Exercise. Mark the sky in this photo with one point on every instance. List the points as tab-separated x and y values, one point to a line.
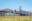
26	5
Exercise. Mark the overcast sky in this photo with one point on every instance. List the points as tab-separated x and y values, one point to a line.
14	4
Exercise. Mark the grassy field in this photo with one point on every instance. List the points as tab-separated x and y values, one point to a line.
15	18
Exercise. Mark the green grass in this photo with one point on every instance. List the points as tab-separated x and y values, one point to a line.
15	18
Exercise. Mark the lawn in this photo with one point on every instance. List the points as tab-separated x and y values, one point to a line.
15	18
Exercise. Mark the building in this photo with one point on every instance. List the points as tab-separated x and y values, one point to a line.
9	12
